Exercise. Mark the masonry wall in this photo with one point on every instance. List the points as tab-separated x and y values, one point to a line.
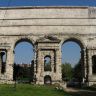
63	23
42	20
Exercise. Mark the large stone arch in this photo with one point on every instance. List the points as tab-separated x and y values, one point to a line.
83	53
22	39
77	40
28	40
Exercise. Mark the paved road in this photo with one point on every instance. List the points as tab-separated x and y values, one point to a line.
79	92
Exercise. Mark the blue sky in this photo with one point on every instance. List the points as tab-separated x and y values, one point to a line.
48	2
71	53
70	50
24	53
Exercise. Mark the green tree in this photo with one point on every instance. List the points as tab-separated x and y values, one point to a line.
67	71
77	71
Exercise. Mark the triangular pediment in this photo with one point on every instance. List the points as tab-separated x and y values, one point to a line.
48	39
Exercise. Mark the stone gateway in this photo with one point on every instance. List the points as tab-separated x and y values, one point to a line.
47	28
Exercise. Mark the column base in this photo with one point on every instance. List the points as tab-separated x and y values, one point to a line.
91	80
90	83
6	82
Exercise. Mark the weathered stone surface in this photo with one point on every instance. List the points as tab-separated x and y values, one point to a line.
47	28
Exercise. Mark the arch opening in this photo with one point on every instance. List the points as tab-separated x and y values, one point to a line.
3	61
72	60
24	61
77	41
47	80
23	40
47	63
94	64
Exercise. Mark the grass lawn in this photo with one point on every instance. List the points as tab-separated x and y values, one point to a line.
30	90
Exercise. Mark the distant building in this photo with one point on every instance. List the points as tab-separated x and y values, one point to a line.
24	65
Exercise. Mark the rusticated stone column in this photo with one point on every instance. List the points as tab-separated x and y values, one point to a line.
85	65
9	64
90	63
35	61
58	64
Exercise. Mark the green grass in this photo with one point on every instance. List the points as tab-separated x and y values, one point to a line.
30	90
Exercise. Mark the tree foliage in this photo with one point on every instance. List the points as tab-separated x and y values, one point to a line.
77	71
67	71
